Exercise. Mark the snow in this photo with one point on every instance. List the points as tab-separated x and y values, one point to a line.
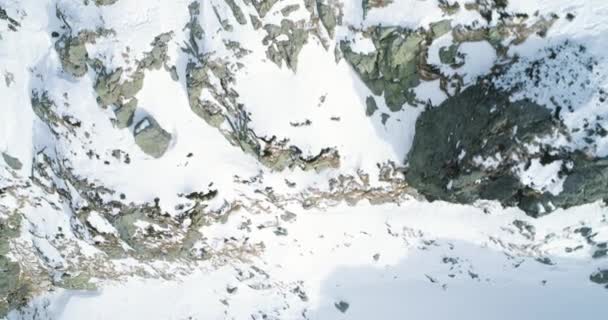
543	178
388	261
480	57
385	261
100	224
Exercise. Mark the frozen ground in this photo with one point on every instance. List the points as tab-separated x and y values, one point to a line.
417	260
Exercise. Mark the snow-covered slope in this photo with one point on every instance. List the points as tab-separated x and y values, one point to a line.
275	159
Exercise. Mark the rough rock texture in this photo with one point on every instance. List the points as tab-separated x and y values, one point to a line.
151	137
478	122
285	50
392	69
237	12
73	55
472	146
124	114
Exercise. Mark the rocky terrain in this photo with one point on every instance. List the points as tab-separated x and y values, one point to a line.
303	159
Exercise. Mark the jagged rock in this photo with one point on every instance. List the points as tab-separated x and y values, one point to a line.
392	69
328	17
14	288
287	50
73	55
237	12
224	22
111	91
12	161
151	138
124	114
255	22
157	57
481	123
478	122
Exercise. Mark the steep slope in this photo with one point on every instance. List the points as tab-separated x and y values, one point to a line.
272	159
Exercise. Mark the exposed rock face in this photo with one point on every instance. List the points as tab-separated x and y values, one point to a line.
285	50
480	122
392	69
14	291
151	138
124	114
111	90
473	146
328	17
73	55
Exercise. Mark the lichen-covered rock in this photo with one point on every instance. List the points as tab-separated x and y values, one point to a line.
151	137
156	58
73	54
124	114
475	144
328	17
111	90
288	49
14	288
255	22
392	69
440	28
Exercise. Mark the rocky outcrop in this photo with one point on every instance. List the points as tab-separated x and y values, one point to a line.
73	54
237	12
285	42
475	145
479	123
392	69
14	291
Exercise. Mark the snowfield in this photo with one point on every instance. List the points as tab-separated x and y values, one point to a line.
293	205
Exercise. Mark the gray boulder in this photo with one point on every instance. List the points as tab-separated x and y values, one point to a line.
151	138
